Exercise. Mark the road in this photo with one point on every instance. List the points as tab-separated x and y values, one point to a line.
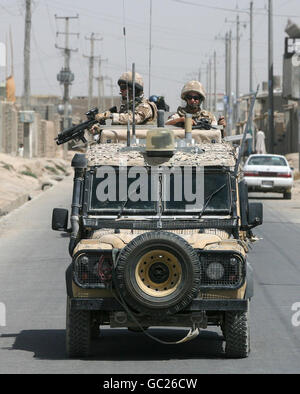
32	289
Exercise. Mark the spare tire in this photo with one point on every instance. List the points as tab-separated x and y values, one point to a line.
158	272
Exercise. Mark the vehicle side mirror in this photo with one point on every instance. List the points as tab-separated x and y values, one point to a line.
255	214
60	219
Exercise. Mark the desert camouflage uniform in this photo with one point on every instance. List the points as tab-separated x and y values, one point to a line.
201	114
145	112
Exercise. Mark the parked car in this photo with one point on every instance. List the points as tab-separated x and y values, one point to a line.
269	173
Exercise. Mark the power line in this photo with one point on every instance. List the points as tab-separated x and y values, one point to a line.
206	6
231	9
40	60
8	11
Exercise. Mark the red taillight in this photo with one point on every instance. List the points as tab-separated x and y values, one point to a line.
269	174
284	175
251	173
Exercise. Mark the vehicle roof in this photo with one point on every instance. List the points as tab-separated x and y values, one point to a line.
265	154
209	154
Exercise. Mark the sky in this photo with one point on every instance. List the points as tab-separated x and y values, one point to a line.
184	35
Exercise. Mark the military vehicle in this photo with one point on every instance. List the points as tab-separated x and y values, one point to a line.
160	230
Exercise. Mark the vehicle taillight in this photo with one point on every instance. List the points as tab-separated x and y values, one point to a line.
284	175
252	173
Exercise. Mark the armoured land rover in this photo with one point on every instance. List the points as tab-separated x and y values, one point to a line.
160	232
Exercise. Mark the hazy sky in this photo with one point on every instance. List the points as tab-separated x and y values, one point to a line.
185	34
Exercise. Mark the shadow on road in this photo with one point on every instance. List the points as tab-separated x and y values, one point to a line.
121	344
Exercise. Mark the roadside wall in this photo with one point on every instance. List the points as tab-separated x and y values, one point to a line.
46	125
43	132
8	128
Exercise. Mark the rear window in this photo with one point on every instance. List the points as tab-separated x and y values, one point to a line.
267	161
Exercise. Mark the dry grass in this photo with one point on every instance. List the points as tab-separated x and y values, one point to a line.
296	175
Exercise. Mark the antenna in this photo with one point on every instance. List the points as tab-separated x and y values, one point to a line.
125	53
245	132
133	101
150	47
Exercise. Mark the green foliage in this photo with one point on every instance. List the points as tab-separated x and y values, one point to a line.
29	173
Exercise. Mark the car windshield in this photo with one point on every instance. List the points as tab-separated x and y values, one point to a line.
149	189
267	161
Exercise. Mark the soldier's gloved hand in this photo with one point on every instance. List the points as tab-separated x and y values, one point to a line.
222	121
103	115
95	129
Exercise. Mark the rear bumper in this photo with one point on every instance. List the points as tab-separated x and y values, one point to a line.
269	184
111	304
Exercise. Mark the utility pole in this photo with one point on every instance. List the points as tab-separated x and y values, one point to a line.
65	76
91	58
206	102
27	116
27	56
111	85
226	98
251	73
215	82
100	84
199	74
271	77
209	86
236	113
229	95
236	107
251	49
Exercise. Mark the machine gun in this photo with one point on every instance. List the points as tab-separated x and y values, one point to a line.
77	132
203	124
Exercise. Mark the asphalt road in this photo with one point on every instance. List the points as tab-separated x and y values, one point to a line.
32	289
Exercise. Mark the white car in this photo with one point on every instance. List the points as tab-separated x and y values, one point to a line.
269	173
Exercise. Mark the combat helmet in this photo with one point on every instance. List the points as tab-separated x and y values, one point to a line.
193	86
126	78
153	99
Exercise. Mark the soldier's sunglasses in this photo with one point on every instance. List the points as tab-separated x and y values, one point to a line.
192	97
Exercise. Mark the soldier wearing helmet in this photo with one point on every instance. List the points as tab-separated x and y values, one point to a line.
145	111
194	95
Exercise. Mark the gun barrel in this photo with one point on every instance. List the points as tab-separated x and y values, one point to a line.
74	132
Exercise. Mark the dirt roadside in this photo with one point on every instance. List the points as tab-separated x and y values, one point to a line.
22	179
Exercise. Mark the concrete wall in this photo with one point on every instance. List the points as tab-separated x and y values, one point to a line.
42	132
8	128
46	125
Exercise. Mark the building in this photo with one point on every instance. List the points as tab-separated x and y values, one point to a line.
285	119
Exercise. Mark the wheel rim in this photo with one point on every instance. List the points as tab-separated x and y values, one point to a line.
158	273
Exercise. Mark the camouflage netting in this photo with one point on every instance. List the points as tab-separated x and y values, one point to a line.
200	155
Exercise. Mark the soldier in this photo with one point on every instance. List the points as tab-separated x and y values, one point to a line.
194	95
145	111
